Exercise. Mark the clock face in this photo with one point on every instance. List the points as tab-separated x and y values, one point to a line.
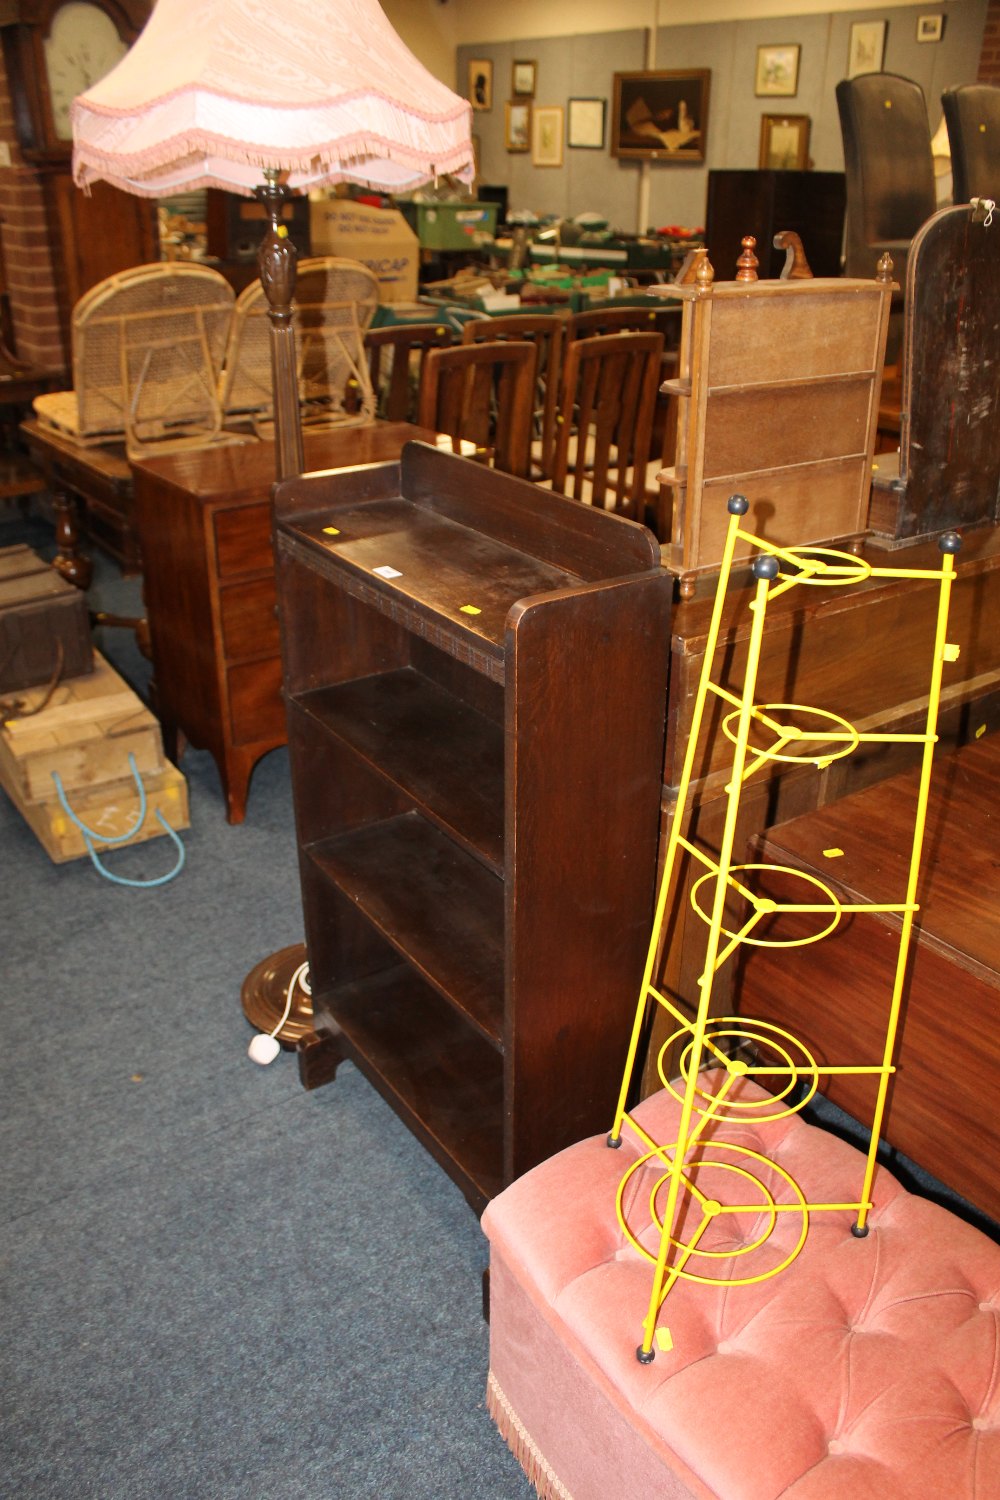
82	46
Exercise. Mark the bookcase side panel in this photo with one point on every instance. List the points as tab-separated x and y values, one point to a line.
587	679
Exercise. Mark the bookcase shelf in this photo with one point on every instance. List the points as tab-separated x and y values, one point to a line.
475	674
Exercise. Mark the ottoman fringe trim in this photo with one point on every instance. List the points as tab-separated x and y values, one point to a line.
522	1445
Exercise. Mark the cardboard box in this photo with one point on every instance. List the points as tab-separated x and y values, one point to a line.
378	237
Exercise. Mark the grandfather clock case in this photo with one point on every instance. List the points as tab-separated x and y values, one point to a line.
52	51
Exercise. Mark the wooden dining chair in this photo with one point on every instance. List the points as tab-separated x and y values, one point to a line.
643	319
545	331
634	318
482	397
604	425
395	364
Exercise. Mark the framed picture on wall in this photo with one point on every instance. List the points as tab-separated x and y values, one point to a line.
867	48
660	116
522	79
547	136
784	143
481	83
517	126
585	122
930	28
777	71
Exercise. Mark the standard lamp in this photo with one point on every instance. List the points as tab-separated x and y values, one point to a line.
266	98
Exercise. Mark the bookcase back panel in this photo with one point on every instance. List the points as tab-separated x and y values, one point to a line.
746	431
808	504
791	335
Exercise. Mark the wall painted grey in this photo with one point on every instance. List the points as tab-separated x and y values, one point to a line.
584	66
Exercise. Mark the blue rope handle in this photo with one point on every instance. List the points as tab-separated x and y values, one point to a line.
90	837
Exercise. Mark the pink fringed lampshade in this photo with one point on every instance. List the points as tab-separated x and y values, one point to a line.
214	91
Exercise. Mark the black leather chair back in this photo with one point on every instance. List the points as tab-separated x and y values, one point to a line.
889	168
972	113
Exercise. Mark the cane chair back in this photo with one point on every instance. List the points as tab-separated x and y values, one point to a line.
395	364
147	350
335	301
482	397
604	426
545	331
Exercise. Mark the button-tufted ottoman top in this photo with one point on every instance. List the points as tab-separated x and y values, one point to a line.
867	1368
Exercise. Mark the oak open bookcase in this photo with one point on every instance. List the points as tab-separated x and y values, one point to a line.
475	677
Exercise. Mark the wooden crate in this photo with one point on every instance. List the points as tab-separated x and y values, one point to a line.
44	625
109	809
86	734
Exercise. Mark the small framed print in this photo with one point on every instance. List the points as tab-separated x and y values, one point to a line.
930	28
867	48
517	125
547	136
481	83
777	71
522	79
585	124
784	143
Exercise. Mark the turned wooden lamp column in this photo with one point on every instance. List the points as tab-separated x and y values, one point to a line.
265	988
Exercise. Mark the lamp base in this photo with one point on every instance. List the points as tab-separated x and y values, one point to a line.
265	989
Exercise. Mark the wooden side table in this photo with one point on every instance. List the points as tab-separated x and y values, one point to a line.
96	483
204	520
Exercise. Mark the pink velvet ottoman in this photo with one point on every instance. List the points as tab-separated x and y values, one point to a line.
868	1369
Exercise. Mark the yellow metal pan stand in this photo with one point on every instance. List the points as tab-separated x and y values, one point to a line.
701	1179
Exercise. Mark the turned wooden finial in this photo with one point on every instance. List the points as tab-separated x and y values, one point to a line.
704	271
746	266
885	268
687	275
796	267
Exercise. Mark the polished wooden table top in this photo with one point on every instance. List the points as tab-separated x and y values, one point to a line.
222	470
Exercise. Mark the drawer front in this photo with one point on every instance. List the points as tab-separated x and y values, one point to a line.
249	622
256	705
243	540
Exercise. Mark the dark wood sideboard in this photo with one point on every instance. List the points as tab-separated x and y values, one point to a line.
763	202
204	524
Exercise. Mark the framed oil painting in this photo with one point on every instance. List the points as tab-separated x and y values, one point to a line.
481	83
585	123
547	136
784	143
777	71
517	125
660	116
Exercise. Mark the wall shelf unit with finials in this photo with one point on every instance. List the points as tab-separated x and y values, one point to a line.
777	394
723	1213
475	674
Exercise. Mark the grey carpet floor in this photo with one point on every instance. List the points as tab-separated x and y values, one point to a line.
213	1284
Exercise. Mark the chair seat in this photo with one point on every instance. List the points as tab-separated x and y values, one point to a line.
60	411
866	1370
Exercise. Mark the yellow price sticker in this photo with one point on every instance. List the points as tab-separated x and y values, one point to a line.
470	609
331	530
833	853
